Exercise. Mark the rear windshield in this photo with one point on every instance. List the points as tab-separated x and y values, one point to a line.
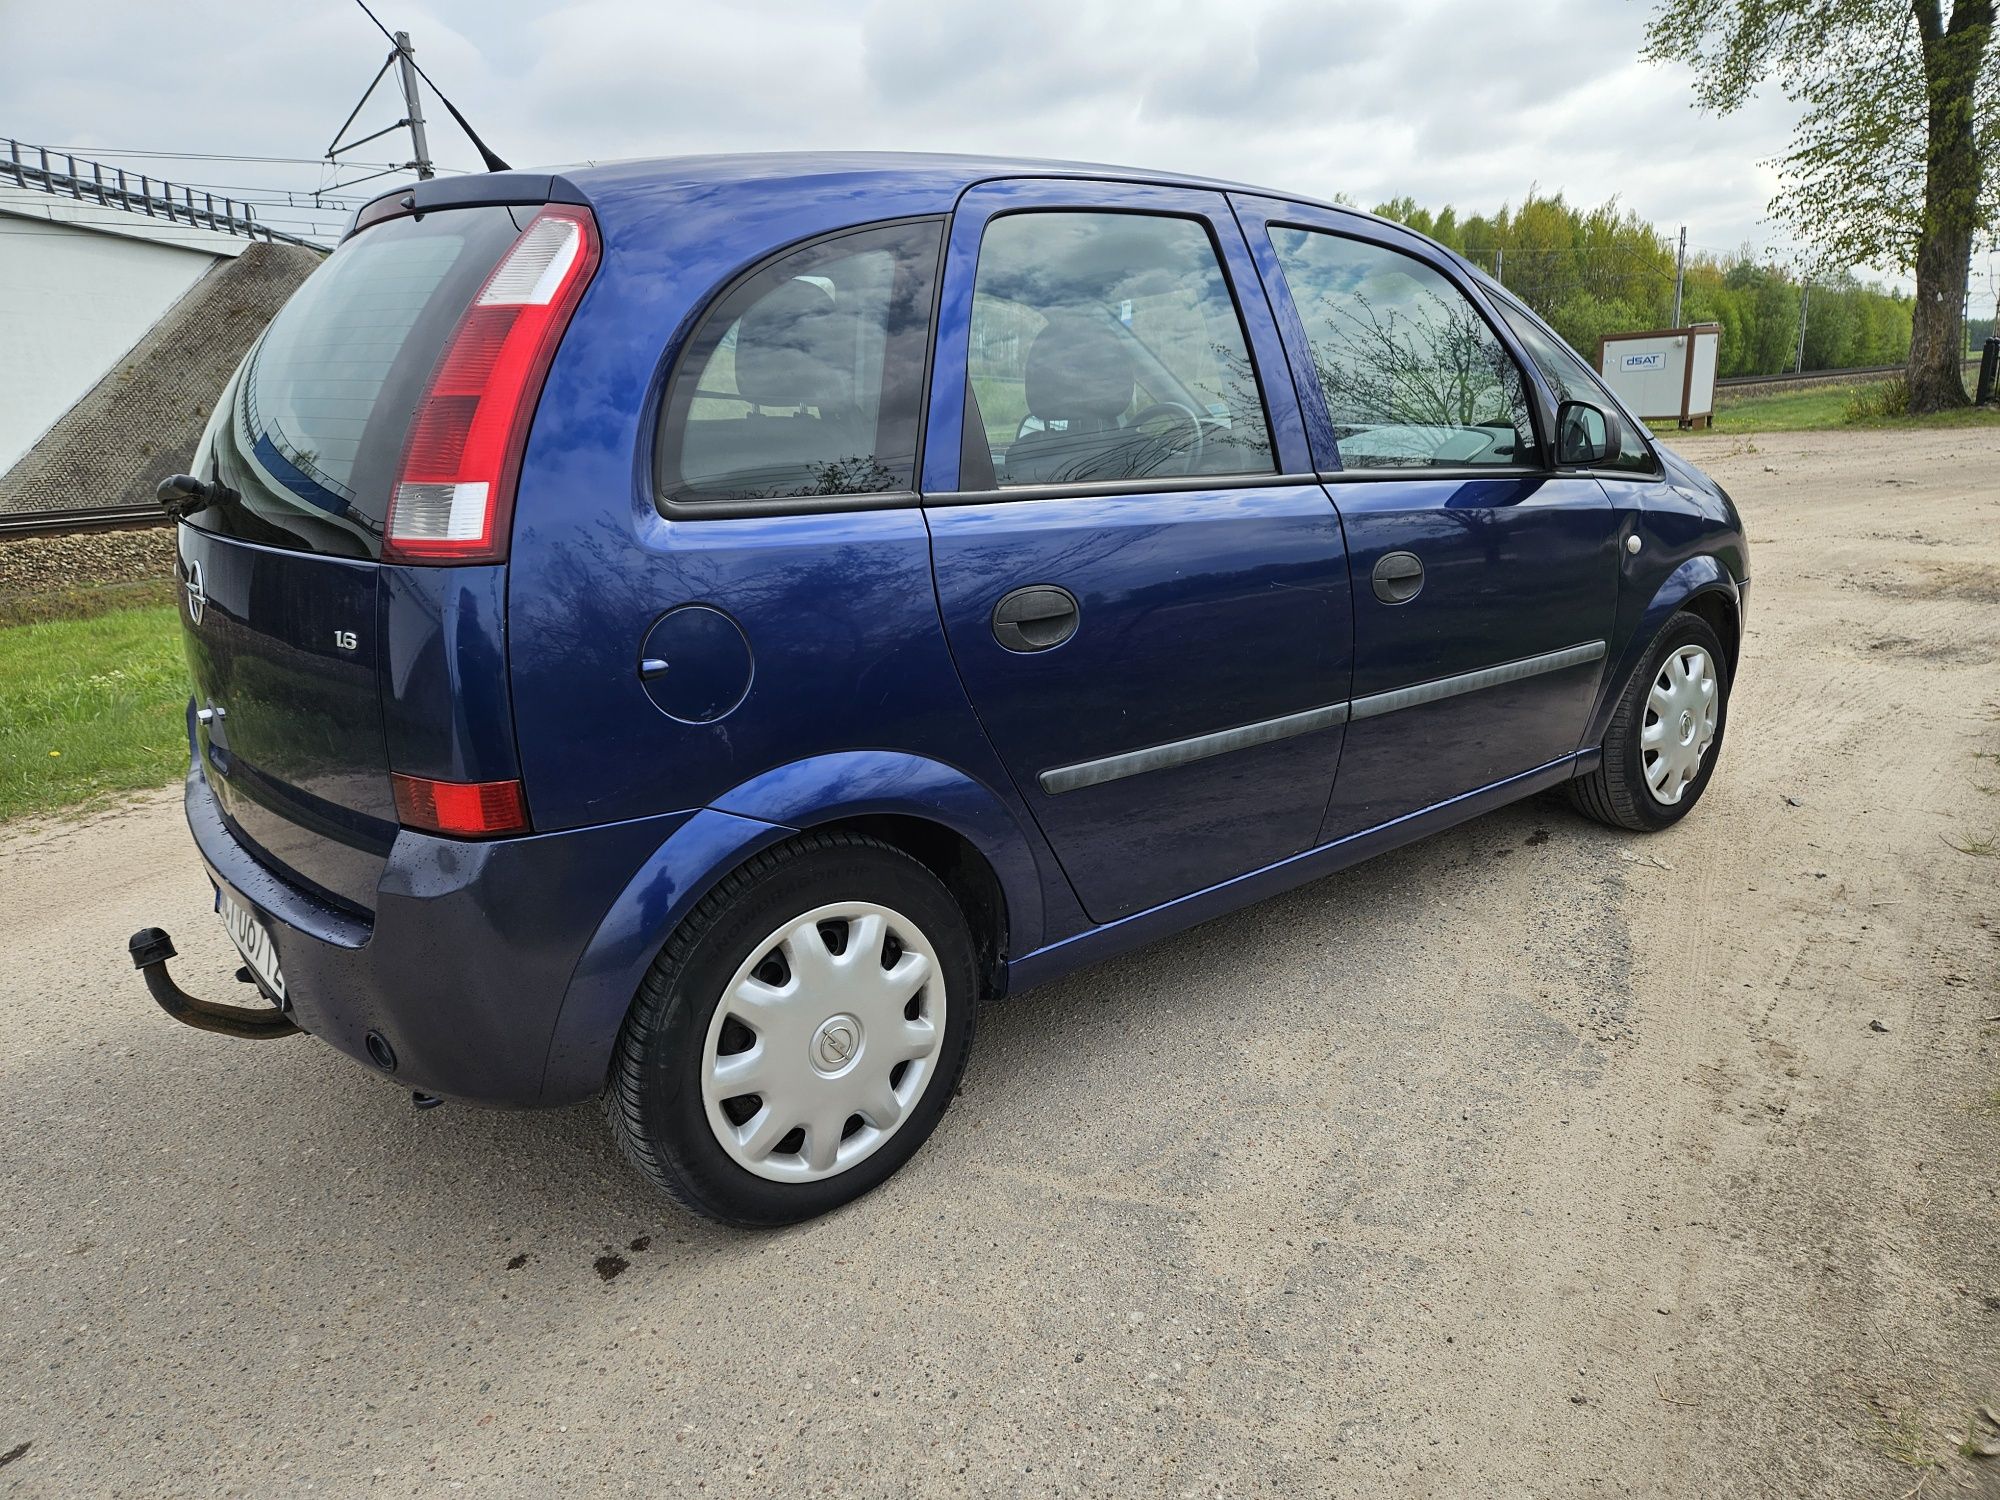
310	431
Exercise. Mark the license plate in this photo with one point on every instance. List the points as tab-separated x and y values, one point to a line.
252	941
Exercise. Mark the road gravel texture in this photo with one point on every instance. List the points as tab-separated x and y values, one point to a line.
1532	1160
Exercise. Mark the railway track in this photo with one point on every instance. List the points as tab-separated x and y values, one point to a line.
1808	377
1742	383
71	522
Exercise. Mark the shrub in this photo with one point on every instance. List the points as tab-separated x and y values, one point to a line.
1889	398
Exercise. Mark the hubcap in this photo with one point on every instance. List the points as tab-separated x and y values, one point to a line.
1680	724
825	1040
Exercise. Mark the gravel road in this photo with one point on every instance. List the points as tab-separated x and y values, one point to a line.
1534	1160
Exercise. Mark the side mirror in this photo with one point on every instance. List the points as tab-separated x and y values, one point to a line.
1586	436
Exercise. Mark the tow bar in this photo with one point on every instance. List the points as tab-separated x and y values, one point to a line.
151	948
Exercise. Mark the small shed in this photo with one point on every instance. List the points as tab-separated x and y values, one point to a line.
1664	374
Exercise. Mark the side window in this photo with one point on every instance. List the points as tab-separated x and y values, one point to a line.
1106	346
1572	380
1413	376
807	378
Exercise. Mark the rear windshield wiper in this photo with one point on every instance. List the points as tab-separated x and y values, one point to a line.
181	495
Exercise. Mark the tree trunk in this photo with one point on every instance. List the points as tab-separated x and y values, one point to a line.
1952	57
1937	330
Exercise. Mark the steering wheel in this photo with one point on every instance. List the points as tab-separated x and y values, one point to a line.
1185	416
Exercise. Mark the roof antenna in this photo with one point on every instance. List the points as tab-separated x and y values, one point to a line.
403	57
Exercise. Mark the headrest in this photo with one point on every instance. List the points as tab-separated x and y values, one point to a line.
795	348
1078	367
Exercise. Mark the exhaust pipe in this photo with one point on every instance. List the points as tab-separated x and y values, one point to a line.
151	948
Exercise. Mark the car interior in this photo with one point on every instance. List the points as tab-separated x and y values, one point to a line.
786	402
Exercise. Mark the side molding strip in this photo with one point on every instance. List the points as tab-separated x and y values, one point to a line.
1085	773
1377	704
1200	747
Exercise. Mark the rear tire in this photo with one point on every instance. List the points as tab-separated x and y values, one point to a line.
770	1069
1659	751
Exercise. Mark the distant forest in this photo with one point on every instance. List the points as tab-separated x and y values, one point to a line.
1606	270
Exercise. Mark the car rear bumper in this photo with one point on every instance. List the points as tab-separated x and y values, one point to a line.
467	962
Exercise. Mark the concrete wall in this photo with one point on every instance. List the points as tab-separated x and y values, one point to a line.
80	284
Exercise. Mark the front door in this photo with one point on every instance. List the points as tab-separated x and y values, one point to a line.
1485	582
1144	588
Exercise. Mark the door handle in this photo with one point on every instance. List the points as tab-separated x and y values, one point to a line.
1035	618
1399	577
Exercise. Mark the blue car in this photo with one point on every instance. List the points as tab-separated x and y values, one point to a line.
689	632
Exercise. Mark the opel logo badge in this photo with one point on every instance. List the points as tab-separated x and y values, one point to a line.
197	596
835	1043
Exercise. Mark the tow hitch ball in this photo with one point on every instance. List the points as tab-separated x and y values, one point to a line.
151	948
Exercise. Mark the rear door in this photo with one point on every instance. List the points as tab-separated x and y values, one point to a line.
1485	582
1145	594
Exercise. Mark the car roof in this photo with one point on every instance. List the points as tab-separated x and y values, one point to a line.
706	217
917	181
947	172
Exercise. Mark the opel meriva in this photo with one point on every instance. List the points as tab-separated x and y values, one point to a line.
689	632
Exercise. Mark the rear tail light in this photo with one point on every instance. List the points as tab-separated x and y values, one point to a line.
454	496
461	809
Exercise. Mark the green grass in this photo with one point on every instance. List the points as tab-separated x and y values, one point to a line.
90	708
1818	408
81	601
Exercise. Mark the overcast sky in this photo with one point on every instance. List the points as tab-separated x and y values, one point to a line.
1470	102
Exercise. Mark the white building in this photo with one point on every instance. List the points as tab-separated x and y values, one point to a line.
96	283
80	283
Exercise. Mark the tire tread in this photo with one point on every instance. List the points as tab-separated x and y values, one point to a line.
1606	794
624	1094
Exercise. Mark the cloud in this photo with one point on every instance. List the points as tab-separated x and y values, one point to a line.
1458	101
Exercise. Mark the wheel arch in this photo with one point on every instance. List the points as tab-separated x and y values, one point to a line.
960	866
1721	614
951	822
1701	586
947	821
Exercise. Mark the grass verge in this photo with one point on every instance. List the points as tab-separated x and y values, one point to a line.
90	708
82	601
1818	408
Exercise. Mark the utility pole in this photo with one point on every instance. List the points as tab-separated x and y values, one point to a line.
414	107
1680	276
1805	303
404	60
1500	266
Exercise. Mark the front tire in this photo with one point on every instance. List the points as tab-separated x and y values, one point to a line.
1664	740
800	1035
